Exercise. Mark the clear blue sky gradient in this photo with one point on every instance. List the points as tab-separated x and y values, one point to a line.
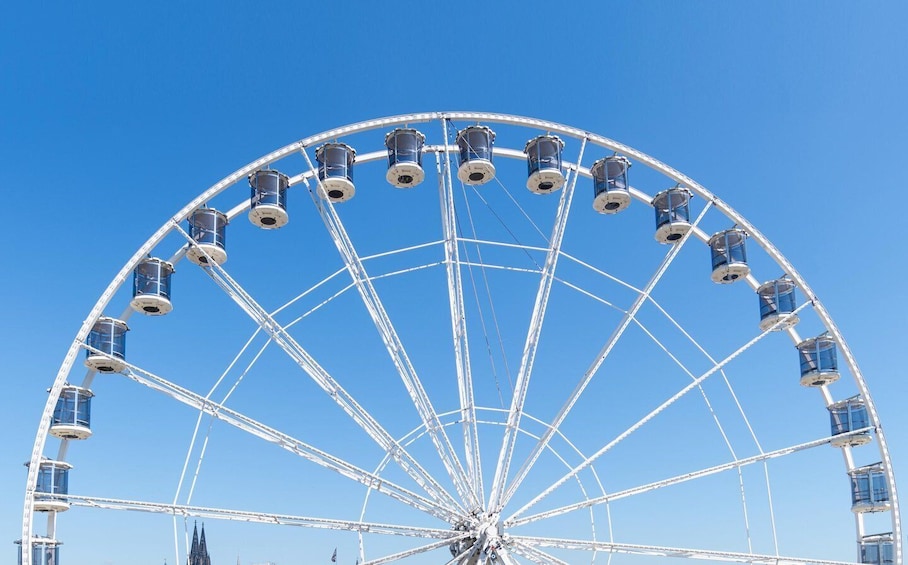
115	115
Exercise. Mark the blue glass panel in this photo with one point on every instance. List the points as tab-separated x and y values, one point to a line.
47	555
886	553
264	198
838	419
737	252
859	417
808	363
600	185
52	479
719	256
616	173
108	337
767	305
152	277
268	188
43	554
827	359
335	161
683	214
73	407
404	146
475	143
870	553
609	175
543	153
45	480
671	207
612	184
818	355
777	297
83	411
209	227
65	411
880	492
728	247
61	482
786	301
663	217
860	489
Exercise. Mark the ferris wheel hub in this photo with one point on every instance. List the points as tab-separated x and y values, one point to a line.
485	539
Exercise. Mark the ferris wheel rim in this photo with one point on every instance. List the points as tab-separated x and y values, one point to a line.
405	119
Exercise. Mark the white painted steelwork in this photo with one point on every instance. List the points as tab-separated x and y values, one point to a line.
483	519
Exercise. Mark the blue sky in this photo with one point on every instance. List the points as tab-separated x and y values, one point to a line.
114	116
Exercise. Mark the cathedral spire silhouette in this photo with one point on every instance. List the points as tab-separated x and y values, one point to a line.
198	551
194	548
203	547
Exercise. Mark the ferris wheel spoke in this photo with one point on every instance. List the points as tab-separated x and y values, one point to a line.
416	551
188	511
740	409
655	412
711	359
236	384
340	271
532	341
306	292
198	424
291	444
672	552
459	323
626	320
392	342
534	554
326	382
683	478
722	432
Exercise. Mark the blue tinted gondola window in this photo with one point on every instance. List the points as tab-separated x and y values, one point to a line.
52	479
404	146
672	206
728	248
818	355
335	160
544	153
848	415
43	554
73	407
880	487
268	188
108	336
475	143
616	173
207	226
839	420
777	297
152	277
860	489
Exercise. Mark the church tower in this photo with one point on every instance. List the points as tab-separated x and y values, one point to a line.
198	552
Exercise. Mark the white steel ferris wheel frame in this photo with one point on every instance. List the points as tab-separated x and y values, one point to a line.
465	476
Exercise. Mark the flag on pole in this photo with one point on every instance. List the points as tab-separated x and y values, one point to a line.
334	556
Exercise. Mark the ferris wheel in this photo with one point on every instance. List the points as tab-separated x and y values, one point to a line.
479	348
